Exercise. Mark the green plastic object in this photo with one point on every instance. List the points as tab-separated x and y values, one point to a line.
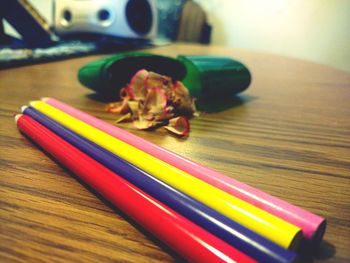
108	75
214	77
206	77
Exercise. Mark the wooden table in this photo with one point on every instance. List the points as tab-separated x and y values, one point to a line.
288	134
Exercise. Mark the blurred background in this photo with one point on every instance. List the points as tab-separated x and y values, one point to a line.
315	30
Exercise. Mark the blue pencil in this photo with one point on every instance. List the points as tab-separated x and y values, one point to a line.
233	233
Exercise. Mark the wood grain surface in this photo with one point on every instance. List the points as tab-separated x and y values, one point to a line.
288	134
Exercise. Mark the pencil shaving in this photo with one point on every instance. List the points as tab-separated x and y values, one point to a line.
23	108
152	100
17	116
179	126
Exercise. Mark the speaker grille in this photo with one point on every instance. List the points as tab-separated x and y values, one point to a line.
139	16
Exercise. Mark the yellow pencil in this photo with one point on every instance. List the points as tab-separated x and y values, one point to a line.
267	225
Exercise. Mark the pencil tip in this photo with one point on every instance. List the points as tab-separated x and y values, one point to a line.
32	103
23	108
17	117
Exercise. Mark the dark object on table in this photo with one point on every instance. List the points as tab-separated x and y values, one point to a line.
10	57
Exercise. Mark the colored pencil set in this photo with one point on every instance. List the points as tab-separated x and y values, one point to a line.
201	214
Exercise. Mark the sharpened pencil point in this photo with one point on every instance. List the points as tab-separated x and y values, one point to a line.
32	103
17	117
23	108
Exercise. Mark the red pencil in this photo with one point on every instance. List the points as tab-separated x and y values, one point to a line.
189	240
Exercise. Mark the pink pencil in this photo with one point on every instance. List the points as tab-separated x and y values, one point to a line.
313	226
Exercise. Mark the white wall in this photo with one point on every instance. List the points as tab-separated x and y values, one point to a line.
316	30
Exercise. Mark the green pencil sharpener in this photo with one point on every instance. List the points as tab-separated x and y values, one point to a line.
208	78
